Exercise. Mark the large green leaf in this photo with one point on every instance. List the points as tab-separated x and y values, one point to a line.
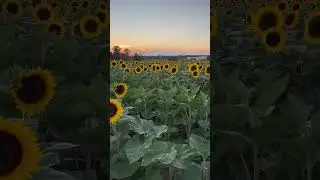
160	151
270	92
227	116
123	169
201	145
134	149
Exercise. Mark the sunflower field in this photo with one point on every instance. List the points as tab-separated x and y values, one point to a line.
160	120
53	90
265	90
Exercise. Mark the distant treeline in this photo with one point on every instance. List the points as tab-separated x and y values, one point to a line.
117	53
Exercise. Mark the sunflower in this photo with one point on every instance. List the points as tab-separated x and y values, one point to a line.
193	67
127	70
116	110
103	17
33	90
43	13
114	63
282	5
20	152
90	26
56	28
123	65
120	89
12	7
75	29
207	71
296	6
173	70
138	70
274	40
195	74
291	19
312	28
266	18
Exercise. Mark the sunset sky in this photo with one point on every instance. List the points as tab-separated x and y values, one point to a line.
161	26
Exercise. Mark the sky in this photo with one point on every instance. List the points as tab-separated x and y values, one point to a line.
161	27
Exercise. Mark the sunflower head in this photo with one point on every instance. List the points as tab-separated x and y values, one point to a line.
56	28
291	19
116	110
20	152
173	70
207	71
43	13
195	74
274	40
90	26
268	17
12	7
120	89
312	28
33	90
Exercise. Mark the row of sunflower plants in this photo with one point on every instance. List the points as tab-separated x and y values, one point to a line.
52	93
160	127
265	101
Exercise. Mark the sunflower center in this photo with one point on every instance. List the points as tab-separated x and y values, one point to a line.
282	6
55	28
289	19
119	89
195	73
314	27
10	153
273	38
91	26
267	21
33	89
112	109
12	8
193	68
174	70
43	14
208	69
123	65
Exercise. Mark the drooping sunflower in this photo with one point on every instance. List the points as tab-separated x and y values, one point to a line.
116	110
312	28
56	28
90	26
120	89
75	29
20	152
43	13
12	7
291	19
274	40
33	90
266	18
